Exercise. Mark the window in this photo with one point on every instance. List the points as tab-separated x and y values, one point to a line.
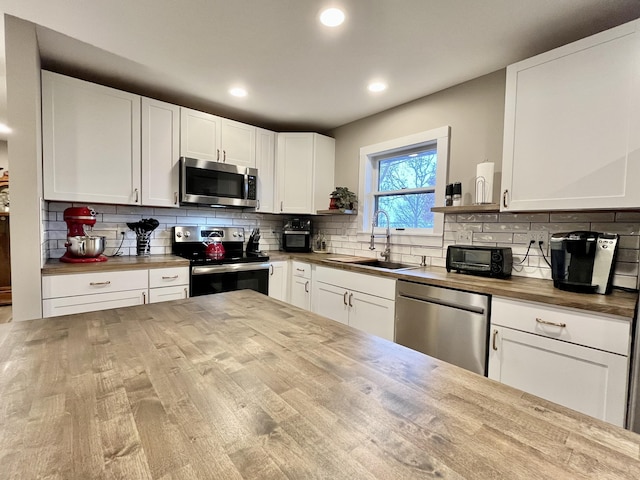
405	177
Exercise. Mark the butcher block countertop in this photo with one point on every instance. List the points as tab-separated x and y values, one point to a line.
56	267
532	289
238	385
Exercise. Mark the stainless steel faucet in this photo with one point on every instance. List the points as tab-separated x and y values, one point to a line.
387	250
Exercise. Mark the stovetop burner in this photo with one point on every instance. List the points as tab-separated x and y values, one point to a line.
190	242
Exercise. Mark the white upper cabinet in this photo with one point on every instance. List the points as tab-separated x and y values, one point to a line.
572	117
238	143
90	142
200	135
304	172
160	153
208	137
266	163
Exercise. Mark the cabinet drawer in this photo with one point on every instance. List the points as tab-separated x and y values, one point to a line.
604	332
54	286
54	307
377	286
164	294
164	277
300	269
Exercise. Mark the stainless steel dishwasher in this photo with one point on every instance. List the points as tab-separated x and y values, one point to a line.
443	323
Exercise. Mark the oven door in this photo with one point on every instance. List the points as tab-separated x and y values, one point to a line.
226	278
296	241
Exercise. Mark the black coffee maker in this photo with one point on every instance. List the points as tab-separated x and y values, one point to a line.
583	261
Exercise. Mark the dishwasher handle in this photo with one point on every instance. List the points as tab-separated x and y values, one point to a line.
444	303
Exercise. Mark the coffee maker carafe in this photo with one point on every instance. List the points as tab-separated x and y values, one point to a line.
583	261
82	248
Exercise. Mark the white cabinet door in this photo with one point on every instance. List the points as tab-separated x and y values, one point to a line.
164	294
301	292
266	163
278	276
331	301
294	172
238	143
371	314
160	153
90	142
571	122
305	165
585	379
53	307
200	135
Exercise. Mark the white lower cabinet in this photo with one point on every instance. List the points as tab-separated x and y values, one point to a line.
300	294
340	295
168	284
87	292
573	358
278	276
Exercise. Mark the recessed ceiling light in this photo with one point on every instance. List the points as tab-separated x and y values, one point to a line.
376	87
238	92
332	17
4	128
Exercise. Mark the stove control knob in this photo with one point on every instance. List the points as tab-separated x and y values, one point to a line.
178	234
235	234
187	234
240	234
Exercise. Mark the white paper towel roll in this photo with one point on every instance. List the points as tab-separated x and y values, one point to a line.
484	182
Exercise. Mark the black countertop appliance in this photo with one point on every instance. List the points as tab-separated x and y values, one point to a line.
296	235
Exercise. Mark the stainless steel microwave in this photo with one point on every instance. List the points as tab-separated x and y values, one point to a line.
217	184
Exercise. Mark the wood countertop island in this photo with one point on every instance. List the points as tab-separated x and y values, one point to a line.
238	385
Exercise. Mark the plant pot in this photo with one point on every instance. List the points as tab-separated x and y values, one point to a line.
333	203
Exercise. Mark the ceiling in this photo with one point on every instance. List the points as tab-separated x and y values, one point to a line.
300	74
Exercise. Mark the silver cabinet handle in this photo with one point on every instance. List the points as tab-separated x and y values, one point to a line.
175	198
344	298
545	322
136	192
224	156
217	154
272	270
300	269
504	198
186	294
495	338
258	207
350	297
306	286
144	298
170	278
97	284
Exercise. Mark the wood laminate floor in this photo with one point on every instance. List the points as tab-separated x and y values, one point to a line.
5	314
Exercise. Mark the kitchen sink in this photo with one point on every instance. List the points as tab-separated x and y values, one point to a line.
387	265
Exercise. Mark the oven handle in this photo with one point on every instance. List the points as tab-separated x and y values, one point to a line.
234	267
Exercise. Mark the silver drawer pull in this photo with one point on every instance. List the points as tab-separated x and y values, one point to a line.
96	284
170	278
544	322
300	269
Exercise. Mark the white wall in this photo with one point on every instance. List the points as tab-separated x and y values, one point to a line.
474	110
23	106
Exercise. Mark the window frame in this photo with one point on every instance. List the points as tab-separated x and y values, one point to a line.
369	158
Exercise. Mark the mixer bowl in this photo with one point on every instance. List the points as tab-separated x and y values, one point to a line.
85	245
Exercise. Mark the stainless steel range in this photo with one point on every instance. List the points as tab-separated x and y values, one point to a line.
236	270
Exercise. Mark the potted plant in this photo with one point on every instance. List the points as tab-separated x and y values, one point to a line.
342	198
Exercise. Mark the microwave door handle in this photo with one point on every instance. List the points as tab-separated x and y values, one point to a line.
246	184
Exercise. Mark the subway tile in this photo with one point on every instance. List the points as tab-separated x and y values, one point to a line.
628	216
429	252
622	228
505	227
582	217
624	268
129	210
562	227
523	217
474	227
493	237
477	217
627	255
625	281
629	241
438	262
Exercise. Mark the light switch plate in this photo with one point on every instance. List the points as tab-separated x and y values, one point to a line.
464	237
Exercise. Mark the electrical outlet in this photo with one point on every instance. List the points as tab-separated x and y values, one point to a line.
464	236
539	236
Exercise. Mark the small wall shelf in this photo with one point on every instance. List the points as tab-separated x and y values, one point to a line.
484	208
337	211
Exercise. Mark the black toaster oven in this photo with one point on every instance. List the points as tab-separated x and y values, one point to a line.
478	260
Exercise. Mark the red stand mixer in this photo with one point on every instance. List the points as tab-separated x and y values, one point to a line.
82	248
